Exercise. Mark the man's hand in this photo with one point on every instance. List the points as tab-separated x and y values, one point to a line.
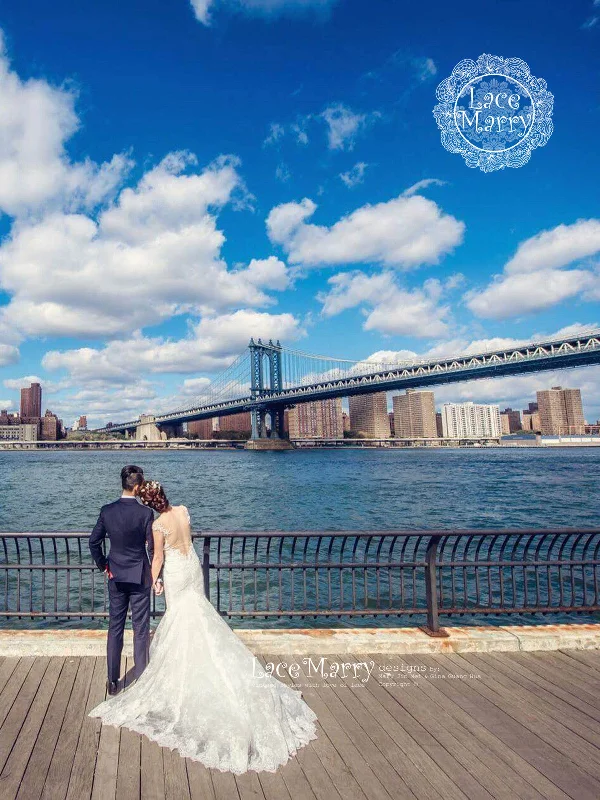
158	587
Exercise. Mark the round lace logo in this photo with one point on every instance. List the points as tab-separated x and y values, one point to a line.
493	112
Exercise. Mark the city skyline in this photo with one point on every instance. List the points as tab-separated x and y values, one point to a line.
185	208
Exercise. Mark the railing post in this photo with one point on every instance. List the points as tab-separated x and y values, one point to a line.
206	566
432	628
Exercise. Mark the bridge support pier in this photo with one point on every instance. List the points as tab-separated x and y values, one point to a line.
259	377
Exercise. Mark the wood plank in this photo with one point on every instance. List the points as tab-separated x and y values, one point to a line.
32	784
152	779
586	676
487	770
354	760
7	667
16	763
224	785
328	759
274	787
57	778
84	761
107	760
524	709
589	658
129	768
526	684
18	710
303	784
249	787
522	729
590	667
439	771
363	731
575	692
200	781
13	686
463	770
176	777
526	781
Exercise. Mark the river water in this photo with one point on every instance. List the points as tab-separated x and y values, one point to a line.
314	489
317	490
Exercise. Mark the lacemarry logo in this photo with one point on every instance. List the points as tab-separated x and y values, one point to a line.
493	112
341	670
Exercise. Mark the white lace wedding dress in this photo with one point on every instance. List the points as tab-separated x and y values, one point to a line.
202	693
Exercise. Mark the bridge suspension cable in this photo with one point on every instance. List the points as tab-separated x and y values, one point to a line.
231	384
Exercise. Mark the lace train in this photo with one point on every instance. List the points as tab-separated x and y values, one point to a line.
203	693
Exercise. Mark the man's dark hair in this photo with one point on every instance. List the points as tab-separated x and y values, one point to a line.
131	476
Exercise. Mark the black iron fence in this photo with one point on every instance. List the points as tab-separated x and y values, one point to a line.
329	574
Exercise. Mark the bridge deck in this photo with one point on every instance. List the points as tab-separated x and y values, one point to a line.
518	725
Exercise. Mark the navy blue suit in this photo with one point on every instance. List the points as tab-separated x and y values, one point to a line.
127	524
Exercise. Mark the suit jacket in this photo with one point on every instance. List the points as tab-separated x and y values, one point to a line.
128	526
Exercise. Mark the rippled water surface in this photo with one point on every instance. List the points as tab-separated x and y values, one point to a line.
317	489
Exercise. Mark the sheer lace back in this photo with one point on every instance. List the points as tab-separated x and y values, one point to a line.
175	526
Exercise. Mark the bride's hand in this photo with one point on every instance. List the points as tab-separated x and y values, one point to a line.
158	587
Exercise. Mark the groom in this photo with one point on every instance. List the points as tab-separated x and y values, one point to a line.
128	526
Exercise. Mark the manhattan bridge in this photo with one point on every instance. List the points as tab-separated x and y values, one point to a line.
268	378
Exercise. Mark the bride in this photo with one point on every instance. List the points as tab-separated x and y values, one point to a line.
199	694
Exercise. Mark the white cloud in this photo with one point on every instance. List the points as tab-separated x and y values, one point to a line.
9	354
153	253
405	232
557	247
425	68
424	184
282	173
5	405
276	131
535	277
36	122
212	345
343	125
202	8
392	309
355	175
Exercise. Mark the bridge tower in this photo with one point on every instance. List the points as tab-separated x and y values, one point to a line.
266	378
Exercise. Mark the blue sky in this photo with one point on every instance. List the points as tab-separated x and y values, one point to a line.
175	178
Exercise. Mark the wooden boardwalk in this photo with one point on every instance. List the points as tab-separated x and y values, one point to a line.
503	725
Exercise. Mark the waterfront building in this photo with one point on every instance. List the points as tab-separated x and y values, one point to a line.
203	428
561	411
439	428
414	415
50	428
9	417
21	432
369	415
236	423
531	420
514	419
31	402
504	424
468	420
321	419
80	424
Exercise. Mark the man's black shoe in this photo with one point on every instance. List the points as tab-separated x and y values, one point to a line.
112	687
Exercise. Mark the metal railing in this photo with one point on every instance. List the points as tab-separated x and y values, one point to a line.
329	574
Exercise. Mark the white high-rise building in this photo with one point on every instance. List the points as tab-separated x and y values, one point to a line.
464	420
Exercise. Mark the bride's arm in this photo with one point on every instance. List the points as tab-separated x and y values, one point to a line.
159	556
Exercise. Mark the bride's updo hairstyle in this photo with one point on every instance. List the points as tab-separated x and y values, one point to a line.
152	494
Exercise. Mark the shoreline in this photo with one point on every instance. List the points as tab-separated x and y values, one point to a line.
331	641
